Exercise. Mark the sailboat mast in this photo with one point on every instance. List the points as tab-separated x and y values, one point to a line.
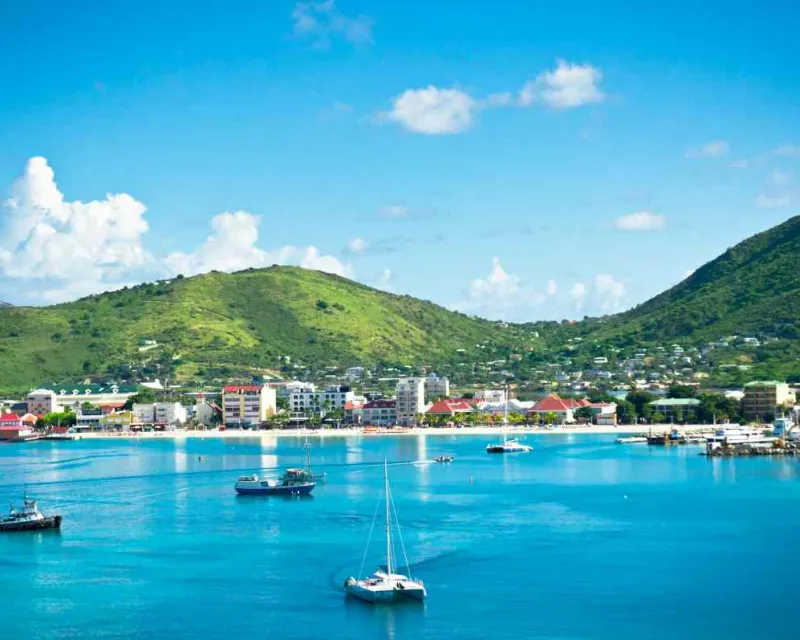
505	418
388	520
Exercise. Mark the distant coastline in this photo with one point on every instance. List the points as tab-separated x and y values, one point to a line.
416	431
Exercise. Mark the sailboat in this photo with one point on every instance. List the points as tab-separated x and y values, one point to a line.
385	586
508	445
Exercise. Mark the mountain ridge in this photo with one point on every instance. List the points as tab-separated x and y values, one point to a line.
258	320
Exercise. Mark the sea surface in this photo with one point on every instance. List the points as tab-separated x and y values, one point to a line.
581	538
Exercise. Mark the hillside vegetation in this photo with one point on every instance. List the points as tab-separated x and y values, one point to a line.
217	325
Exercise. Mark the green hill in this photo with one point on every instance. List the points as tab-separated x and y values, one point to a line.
215	326
233	324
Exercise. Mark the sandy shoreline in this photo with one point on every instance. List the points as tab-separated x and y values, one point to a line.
350	432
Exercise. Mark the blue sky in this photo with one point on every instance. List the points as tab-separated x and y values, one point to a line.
523	160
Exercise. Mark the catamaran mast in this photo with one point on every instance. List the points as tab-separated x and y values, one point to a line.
388	520
505	418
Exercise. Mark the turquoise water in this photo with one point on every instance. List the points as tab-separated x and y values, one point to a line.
580	538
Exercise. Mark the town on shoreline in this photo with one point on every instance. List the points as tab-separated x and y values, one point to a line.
417	405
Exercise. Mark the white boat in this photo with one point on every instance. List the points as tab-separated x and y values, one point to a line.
631	439
736	435
386	586
785	428
507	445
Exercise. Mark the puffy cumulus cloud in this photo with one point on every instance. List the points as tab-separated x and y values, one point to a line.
356	245
610	294
321	21
565	87
578	293
53	249
432	111
641	221
232	247
552	288
436	111
498	285
62	248
709	150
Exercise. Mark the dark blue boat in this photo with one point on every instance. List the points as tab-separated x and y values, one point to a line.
295	482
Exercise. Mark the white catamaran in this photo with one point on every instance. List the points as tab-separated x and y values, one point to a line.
507	445
384	585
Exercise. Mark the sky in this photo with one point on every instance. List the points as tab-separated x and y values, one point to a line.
510	159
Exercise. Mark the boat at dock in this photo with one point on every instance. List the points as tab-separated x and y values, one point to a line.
443	459
29	518
295	482
631	439
384	585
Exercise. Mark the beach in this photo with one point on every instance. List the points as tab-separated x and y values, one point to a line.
414	431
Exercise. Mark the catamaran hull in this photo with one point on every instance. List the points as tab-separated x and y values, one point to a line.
386	596
296	490
53	522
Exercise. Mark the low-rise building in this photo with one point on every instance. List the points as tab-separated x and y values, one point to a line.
553	405
42	401
379	413
676	408
447	407
492	396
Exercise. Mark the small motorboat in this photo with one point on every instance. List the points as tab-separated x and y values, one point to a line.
443	459
508	446
631	439
295	482
29	518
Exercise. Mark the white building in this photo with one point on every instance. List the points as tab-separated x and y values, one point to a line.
42	401
203	412
247	405
436	387
410	400
286	389
170	414
333	397
492	396
356	373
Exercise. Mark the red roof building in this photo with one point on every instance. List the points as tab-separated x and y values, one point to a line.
10	420
553	404
247	388
450	407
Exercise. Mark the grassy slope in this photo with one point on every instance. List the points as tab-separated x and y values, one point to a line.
244	319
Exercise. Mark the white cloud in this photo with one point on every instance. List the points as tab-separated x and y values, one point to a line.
393	211
641	221
552	288
739	164
567	86
52	249
608	293
787	150
432	111
232	247
386	280
769	202
499	284
320	21
357	245
780	178
68	247
709	150
578	292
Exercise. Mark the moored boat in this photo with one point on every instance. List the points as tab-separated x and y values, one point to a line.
444	459
384	585
507	445
295	482
29	518
631	439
